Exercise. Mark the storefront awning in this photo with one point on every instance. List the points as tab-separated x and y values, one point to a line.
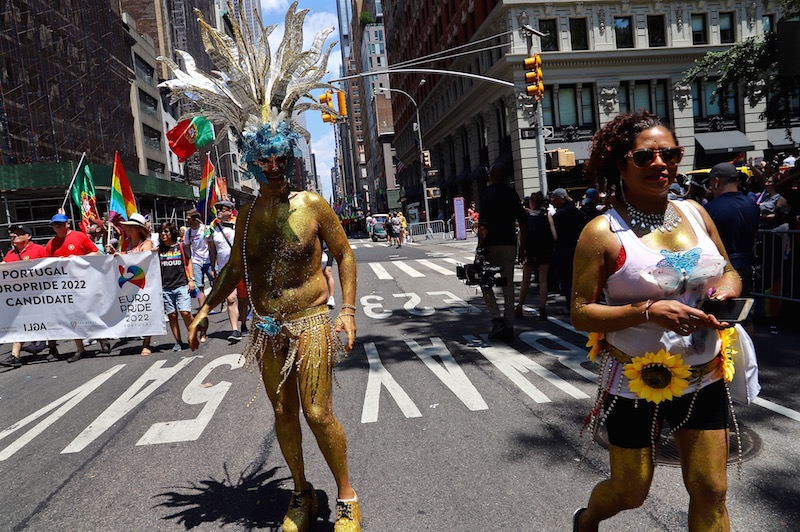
720	142
581	149
778	141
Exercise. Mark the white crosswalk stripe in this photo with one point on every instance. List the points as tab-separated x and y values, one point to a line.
380	271
366	245
408	269
436	267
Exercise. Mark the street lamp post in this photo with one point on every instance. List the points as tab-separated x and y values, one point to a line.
419	138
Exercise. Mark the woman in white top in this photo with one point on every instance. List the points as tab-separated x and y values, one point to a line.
653	261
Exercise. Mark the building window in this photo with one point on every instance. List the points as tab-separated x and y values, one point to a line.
571	102
578	34
155	168
151	137
148	104
143	70
727	33
704	107
699	29
623	28
645	95
768	22
549	41
656	31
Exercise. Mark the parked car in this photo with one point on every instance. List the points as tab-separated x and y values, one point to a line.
378	231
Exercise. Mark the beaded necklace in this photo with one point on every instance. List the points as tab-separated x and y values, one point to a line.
662	221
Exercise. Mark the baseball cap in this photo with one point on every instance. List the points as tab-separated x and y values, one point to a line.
21	228
59	218
560	193
723	171
592	193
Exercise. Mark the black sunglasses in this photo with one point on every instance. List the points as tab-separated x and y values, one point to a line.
646	156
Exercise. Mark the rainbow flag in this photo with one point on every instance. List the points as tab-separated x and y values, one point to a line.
123	204
209	192
738	159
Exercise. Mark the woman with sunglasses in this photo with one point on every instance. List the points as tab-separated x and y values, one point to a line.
653	261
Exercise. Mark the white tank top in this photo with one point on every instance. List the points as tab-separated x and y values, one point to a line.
661	274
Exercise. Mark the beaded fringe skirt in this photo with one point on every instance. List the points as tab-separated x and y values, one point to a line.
311	340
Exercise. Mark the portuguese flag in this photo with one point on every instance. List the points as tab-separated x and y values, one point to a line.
123	204
189	136
84	197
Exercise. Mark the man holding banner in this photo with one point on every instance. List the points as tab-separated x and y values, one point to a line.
68	243
24	249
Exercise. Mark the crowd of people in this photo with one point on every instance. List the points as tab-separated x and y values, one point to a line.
190	258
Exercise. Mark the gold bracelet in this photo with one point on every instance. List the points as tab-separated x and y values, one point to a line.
347	305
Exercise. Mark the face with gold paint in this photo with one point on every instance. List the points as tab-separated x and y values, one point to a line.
647	182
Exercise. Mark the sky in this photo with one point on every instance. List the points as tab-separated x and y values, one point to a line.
322	15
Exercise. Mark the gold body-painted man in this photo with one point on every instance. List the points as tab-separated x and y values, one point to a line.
276	248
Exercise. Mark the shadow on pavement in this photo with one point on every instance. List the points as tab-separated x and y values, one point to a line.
255	500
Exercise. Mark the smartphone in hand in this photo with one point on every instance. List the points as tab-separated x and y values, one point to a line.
733	310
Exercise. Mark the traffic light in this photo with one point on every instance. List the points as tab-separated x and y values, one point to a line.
327	98
533	77
342	104
426	156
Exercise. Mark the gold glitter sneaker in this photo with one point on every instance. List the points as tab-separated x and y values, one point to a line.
348	516
302	511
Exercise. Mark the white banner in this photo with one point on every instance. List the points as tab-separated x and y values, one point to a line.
81	297
461	224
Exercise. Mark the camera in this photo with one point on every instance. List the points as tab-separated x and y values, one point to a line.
481	273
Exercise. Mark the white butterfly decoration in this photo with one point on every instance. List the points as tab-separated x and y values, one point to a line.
680	272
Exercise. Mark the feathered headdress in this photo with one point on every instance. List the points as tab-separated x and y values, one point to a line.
254	92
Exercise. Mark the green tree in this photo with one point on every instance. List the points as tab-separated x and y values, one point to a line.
365	18
754	62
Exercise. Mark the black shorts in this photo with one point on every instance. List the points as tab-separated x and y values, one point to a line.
629	424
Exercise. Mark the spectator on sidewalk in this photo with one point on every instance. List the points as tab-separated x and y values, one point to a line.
541	239
69	243
23	249
736	218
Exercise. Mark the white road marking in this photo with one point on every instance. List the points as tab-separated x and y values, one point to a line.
411	305
456	303
140	390
353	247
366	245
453	261
195	394
378	377
408	269
69	401
571	356
436	267
449	372
778	409
380	271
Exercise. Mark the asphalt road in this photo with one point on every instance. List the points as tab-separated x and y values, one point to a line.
446	431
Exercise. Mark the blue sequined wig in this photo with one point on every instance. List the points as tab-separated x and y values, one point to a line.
269	139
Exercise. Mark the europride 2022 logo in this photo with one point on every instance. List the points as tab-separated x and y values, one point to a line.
135	276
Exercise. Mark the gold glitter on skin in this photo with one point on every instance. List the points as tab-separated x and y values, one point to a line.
703	453
283	260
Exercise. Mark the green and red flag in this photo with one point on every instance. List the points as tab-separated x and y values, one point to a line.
189	136
122	204
84	196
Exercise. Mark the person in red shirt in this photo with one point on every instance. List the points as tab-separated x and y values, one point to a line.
24	249
69	243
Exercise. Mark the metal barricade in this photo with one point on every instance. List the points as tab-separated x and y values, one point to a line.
777	263
428	229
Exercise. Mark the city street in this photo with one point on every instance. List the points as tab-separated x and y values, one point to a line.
446	431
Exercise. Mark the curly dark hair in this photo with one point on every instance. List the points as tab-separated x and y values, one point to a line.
613	141
174	233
